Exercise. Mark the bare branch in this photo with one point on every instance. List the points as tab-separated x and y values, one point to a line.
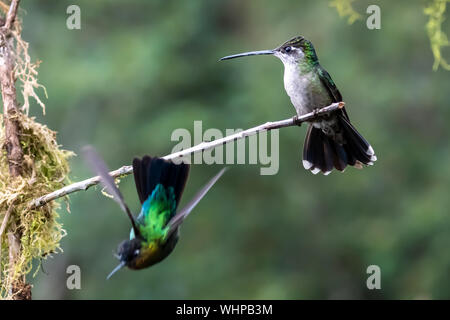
12	145
3	228
12	12
126	170
5	222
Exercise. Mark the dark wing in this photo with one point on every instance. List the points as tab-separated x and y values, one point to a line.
329	84
99	167
178	219
151	171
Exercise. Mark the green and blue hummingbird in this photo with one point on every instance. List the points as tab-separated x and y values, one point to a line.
159	184
331	141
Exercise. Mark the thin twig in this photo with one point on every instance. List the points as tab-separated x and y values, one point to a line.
3	228
5	222
12	144
126	170
12	12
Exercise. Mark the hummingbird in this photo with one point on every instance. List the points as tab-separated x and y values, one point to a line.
159	184
331	141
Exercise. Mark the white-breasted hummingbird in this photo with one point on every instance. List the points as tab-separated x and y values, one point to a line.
331	141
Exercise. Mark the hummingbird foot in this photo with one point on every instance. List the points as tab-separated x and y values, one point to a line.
316	112
295	120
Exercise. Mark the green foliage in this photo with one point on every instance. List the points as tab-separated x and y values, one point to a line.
438	38
345	10
435	10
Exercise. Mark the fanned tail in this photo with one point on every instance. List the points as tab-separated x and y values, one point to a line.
322	153
151	171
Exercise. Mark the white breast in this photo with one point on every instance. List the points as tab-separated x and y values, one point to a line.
304	89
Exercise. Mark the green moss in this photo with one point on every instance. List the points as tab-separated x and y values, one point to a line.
45	170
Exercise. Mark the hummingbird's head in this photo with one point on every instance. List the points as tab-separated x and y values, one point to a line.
296	50
129	250
127	253
292	51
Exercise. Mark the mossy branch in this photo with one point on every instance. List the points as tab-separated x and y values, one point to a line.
33	165
12	144
126	170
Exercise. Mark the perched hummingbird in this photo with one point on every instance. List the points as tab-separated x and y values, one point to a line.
331	141
160	184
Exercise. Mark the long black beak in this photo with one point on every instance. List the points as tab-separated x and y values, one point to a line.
120	266
245	54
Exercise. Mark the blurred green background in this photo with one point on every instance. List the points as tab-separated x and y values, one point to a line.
137	70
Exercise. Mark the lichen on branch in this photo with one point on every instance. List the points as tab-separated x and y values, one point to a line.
45	170
25	233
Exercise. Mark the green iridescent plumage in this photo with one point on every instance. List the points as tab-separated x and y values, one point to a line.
159	184
156	213
310	59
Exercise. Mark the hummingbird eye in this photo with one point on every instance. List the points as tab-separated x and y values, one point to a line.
136	252
287	49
